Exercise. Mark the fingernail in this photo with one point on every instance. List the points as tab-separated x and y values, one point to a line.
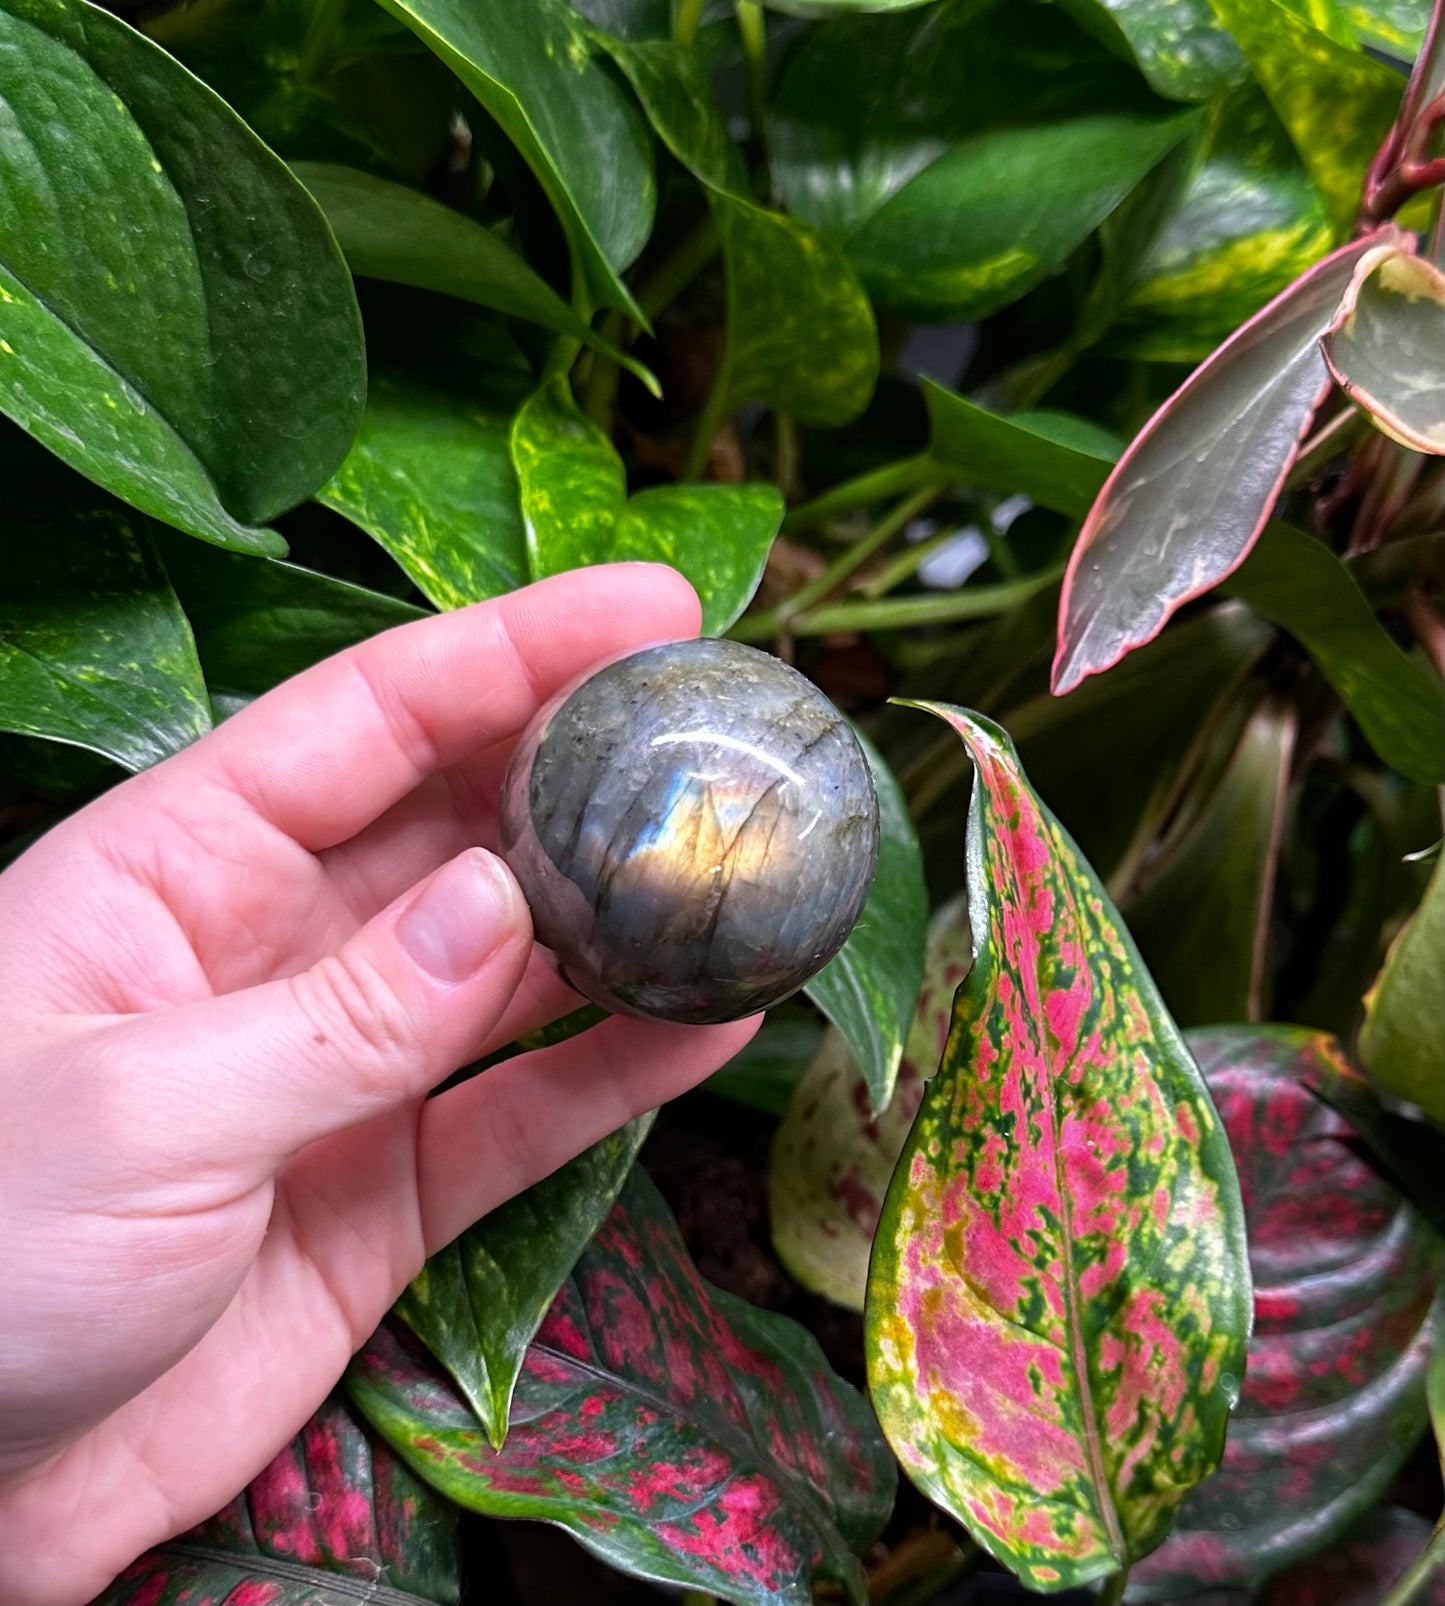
464	914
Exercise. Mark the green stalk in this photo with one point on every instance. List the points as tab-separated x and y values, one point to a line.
1111	1592
709	423
1419	1571
875	486
855	556
753	29
678	269
685	20
602	381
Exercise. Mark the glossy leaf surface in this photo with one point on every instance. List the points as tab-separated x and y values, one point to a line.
1344	1275
576	511
1366	1567
869	988
430	478
1309	76
532	68
1384	348
1248	224
1300	585
390	231
832	1156
478	1303
204	369
1402	1041
94	648
1059	1295
1179	44
1054	460
258	621
1219	448
1201	918
678	1433
801	335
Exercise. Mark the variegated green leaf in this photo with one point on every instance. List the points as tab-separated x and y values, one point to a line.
1059	1294
478	1303
677	1432
832	1156
1402	1041
1179	44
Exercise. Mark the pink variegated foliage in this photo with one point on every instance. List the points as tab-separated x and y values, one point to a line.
336	1519
677	1432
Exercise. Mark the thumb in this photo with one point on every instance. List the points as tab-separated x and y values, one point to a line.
250	1077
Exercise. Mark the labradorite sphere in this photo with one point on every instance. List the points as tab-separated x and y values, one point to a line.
695	829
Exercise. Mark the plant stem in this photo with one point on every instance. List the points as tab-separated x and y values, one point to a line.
685	20
874	486
602	381
899	613
1111	1592
709	423
678	268
855	556
1421	1569
753	29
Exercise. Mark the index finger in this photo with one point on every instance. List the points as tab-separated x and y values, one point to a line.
323	755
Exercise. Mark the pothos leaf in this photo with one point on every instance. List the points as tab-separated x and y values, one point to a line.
1221	447
1059	1293
335	1520
1344	1274
1179	44
679	1433
477	1304
832	1156
869	988
1402	1041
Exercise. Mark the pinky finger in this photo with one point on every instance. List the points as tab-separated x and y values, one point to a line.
484	1142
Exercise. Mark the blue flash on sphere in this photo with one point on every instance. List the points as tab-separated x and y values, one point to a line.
695	829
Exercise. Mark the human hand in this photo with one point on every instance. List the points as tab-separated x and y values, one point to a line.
224	999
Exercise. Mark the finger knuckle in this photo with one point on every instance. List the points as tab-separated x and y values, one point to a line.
350	1004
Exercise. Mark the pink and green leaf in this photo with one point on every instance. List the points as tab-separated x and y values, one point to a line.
675	1431
1384	347
1188	499
1059	1293
1344	1275
335	1520
832	1156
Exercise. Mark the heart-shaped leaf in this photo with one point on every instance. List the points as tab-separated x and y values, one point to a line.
1221	448
203	361
1402	1041
1059	1293
94	647
1344	1275
1055	460
1201	916
533	69
675	1431
1248	224
392	232
1179	44
258	621
1300	585
1384	347
478	1303
832	1156
576	511
430	477
335	1520
1309	75
869	988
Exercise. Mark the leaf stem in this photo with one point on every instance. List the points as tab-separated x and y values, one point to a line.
602	380
1111	1592
856	555
753	30
686	19
710	421
898	613
1419	1570
874	486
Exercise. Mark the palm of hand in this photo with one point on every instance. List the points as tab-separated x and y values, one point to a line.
222	1163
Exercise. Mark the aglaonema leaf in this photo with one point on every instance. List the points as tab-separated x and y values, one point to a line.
1059	1292
334	1520
1377	1563
832	1155
1344	1275
94	648
1309	74
430	478
258	621
869	988
1402	1040
533	69
1297	583
477	1304
1189	497
675	1431
175	319
576	511
1384	347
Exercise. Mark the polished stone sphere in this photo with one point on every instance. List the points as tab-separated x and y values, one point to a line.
695	829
